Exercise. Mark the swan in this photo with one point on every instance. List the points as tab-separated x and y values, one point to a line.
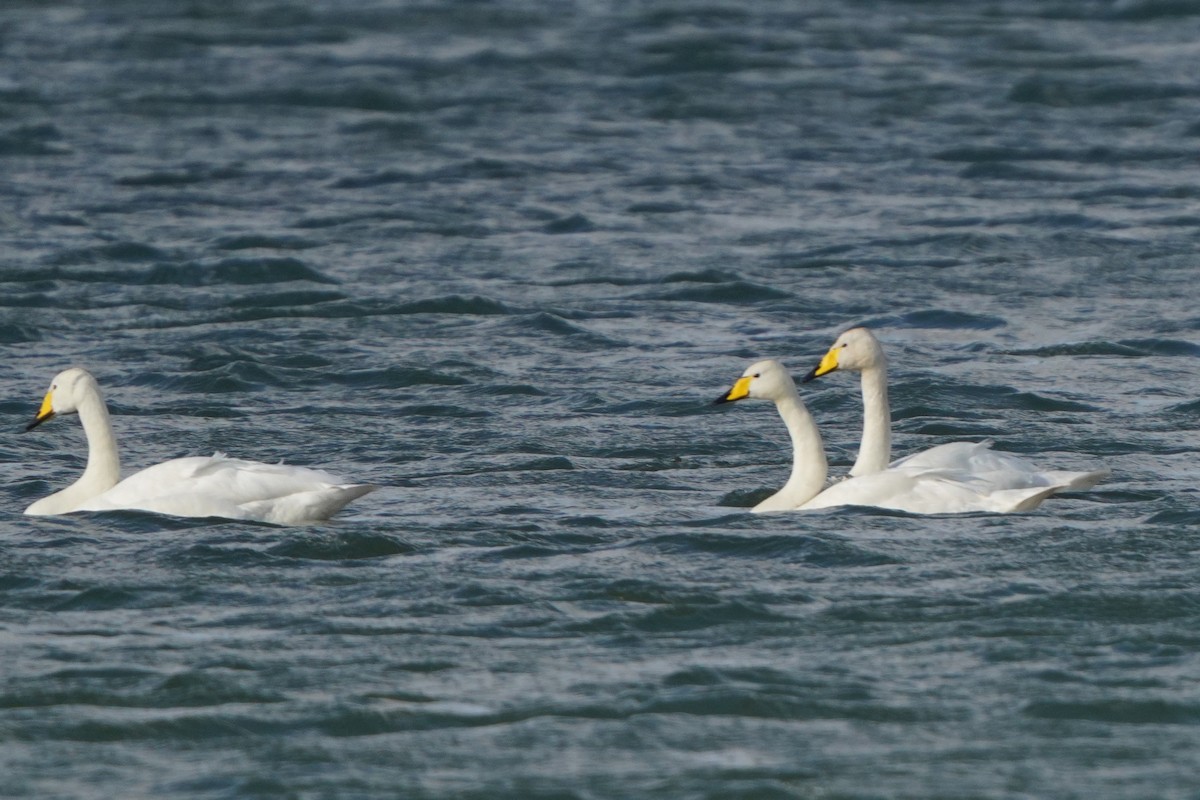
918	490
858	350
200	486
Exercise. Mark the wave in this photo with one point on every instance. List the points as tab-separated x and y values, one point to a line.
1121	348
341	546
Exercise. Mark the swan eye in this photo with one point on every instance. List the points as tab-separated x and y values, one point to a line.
756	375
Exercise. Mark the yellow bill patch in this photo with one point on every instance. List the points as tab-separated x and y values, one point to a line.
828	364
47	405
740	389
45	412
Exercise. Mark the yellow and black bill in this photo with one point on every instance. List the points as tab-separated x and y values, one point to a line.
44	413
740	390
828	364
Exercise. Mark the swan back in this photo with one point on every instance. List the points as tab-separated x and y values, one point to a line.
999	470
933	491
218	486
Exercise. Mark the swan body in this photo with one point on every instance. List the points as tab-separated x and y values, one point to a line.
199	486
858	350
915	489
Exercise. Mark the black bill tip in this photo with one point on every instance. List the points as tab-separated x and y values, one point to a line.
37	421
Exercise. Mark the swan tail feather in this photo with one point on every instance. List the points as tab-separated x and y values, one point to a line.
1021	499
1079	480
311	506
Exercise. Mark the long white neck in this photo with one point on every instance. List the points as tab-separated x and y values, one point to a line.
809	467
875	451
103	469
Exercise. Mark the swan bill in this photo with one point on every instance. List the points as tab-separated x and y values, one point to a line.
828	364
44	413
740	390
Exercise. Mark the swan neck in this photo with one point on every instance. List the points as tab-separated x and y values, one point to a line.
809	467
875	451
103	469
103	464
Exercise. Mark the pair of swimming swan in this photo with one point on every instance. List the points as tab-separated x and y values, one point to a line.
202	486
948	479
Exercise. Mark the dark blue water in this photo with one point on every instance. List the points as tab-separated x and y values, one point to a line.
500	256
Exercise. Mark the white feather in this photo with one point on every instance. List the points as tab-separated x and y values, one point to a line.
858	350
914	487
199	486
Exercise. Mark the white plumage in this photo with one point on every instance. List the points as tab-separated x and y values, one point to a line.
858	350
936	488
199	486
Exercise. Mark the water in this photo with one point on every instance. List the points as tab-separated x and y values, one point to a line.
500	257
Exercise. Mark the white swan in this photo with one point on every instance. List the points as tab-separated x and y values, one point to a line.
214	486
857	349
917	490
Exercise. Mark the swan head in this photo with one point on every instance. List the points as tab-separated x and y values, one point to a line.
763	380
857	349
66	392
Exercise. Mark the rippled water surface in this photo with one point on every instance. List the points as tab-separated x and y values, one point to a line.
500	257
